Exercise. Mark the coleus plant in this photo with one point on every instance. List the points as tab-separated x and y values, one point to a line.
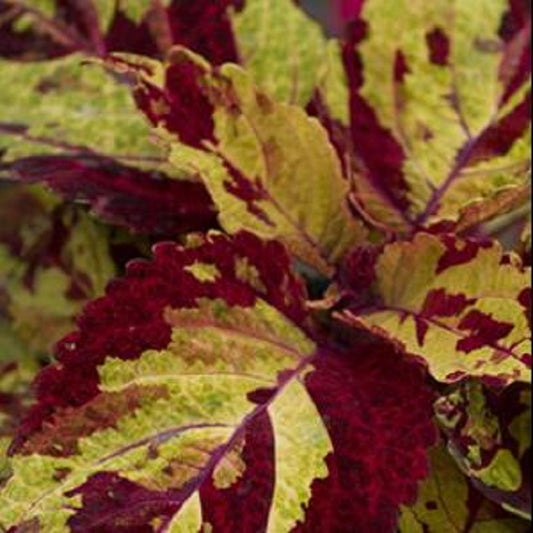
331	332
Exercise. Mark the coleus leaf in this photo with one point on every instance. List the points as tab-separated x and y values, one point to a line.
268	166
501	203
461	306
199	397
490	438
52	261
75	128
446	98
97	148
282	47
447	502
62	106
143	202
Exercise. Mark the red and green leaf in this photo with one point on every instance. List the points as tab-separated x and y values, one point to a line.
268	166
461	306
439	110
75	128
207	401
143	202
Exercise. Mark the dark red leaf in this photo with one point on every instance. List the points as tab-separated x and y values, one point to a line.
245	506
203	26
125	35
142	201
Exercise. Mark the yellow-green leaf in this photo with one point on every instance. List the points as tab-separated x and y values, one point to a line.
66	106
334	84
282	47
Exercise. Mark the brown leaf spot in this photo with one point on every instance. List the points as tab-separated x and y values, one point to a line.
61	473
265	104
489	46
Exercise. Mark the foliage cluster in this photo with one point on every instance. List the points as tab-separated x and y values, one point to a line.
255	278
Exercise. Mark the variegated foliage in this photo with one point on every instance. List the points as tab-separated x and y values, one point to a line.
218	412
207	388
